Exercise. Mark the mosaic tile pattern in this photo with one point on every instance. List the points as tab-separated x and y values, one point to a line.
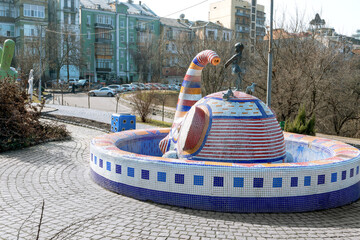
233	187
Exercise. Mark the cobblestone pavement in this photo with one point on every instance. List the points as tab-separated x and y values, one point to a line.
77	208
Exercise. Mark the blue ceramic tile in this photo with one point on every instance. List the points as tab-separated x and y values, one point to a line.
218	181
161	176
334	177
130	172
307	180
198	180
179	178
277	182
118	169
108	166
101	163
258	182
343	175
294	182
145	174
321	179
238	182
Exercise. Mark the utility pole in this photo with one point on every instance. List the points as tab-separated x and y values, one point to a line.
270	57
40	63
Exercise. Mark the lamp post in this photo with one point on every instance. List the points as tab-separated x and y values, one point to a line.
269	73
40	63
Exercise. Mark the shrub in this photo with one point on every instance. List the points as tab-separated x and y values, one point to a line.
20	124
300	124
143	103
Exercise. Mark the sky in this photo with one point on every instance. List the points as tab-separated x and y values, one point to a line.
343	15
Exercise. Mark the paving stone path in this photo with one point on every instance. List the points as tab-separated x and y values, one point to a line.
77	208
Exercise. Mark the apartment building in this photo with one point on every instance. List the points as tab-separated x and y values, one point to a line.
246	18
111	35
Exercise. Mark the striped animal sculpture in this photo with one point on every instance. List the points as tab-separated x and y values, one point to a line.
240	128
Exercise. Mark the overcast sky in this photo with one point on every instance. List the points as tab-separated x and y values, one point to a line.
343	15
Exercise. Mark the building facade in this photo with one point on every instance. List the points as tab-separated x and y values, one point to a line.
111	35
246	18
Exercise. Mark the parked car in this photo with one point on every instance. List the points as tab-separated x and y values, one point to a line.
174	87
144	87
135	86
116	88
139	86
128	87
82	83
104	91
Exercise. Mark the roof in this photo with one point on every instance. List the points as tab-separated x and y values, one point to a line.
282	34
138	9
171	22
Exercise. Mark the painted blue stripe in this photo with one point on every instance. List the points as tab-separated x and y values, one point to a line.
182	108
196	62
236	204
190	84
240	161
231	100
260	108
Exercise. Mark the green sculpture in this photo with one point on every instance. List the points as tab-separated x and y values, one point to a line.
6	55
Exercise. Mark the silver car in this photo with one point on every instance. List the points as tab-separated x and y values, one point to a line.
116	88
105	91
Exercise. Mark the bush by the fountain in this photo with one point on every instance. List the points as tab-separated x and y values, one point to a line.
20	124
300	124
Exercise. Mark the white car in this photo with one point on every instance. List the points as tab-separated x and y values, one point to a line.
128	87
104	91
116	88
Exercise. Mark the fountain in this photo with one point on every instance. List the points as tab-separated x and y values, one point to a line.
226	152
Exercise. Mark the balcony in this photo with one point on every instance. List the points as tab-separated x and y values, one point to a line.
103	26
103	69
242	14
71	9
102	40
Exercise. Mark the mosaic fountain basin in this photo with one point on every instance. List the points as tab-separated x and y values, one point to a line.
324	174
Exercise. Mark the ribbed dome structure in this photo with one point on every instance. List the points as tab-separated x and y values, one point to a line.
239	129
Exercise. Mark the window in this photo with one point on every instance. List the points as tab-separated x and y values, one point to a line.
30	30
88	20
131	25
103	19
122	24
131	38
7	30
122	54
34	11
122	38
121	67
7	10
88	35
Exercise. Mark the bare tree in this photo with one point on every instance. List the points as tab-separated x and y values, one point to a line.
146	56
214	78
309	70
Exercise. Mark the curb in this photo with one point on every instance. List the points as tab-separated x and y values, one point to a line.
48	117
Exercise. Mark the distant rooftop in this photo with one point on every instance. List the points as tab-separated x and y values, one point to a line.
178	23
138	9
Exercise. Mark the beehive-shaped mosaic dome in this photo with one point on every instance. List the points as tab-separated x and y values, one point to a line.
239	129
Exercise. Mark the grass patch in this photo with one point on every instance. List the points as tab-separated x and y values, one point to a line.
155	123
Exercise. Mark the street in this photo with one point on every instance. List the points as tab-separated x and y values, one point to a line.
82	100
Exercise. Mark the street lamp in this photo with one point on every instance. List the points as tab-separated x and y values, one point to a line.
269	73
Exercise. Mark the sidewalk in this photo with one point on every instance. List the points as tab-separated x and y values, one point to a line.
96	115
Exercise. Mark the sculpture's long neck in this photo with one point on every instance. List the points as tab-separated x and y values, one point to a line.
190	91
